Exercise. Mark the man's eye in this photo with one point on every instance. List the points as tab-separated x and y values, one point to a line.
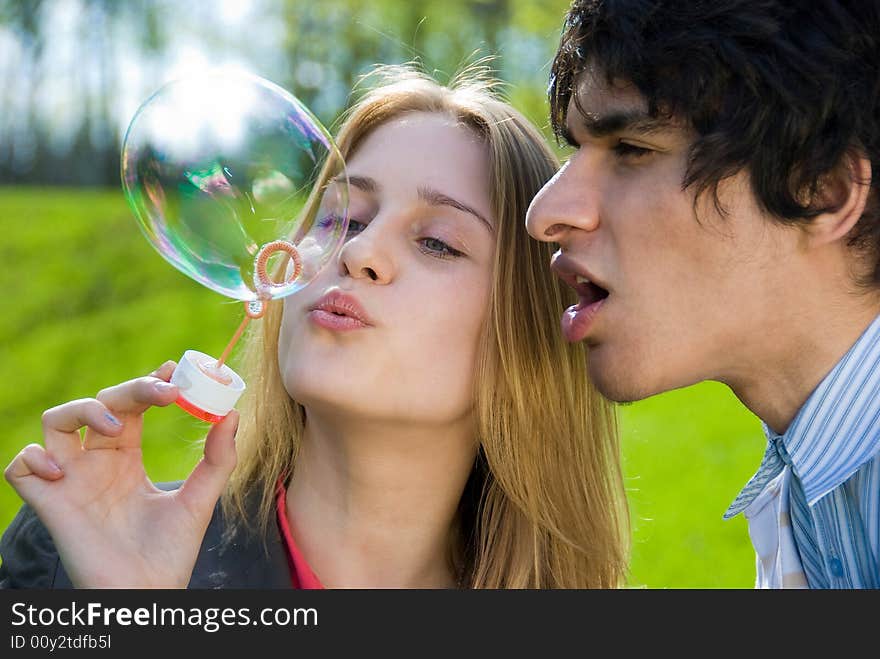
627	150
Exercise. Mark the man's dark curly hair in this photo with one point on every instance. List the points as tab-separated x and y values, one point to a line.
783	90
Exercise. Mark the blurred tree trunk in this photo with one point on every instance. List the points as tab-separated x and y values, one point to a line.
22	138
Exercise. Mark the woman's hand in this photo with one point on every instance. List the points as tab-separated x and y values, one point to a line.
113	528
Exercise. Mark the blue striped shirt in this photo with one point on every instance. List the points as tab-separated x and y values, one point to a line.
833	448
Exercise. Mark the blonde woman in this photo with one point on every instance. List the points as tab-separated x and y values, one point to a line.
413	418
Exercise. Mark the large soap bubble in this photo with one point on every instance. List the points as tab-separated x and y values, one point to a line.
236	184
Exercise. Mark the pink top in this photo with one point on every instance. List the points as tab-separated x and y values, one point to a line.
301	575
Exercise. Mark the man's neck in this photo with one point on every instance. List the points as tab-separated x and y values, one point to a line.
776	382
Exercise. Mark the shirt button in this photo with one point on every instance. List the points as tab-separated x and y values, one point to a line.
836	567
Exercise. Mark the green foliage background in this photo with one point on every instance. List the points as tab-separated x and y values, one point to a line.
90	304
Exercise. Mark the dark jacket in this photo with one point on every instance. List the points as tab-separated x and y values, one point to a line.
30	559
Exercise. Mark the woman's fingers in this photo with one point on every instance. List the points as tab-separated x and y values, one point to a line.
138	395
106	418
128	402
165	371
205	484
30	472
69	417
61	425
112	419
32	460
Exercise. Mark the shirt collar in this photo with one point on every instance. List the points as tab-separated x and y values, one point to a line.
301	575
838	429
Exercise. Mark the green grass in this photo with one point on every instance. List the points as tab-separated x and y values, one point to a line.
686	454
92	304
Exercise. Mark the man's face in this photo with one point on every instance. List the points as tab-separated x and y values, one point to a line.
678	293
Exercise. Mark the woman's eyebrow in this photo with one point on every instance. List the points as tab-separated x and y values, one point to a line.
426	194
437	198
361	182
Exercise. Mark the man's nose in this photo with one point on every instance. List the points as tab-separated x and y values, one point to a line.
567	203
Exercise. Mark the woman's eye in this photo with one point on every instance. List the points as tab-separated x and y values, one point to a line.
329	220
437	247
332	219
355	227
627	150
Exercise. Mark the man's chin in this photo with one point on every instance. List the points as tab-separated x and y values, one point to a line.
619	385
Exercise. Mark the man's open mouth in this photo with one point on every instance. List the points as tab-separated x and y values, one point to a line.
588	292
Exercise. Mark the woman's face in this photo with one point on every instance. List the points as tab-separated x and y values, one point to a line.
390	331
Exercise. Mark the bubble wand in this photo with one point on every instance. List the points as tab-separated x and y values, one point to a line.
208	391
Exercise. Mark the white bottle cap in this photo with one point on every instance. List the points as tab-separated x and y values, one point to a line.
206	392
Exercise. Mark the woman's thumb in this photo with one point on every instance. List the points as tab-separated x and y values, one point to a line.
206	482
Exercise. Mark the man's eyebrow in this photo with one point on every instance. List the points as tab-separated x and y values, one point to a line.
634	120
436	198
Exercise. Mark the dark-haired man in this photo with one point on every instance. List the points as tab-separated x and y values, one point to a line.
719	218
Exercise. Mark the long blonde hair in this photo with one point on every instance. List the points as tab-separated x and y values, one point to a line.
545	505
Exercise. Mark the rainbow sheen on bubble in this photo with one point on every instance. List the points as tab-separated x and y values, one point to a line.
215	167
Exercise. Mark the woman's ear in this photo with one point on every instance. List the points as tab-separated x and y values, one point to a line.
844	191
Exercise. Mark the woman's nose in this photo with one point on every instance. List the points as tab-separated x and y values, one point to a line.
366	255
567	203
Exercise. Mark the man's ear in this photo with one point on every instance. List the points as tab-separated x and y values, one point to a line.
845	192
